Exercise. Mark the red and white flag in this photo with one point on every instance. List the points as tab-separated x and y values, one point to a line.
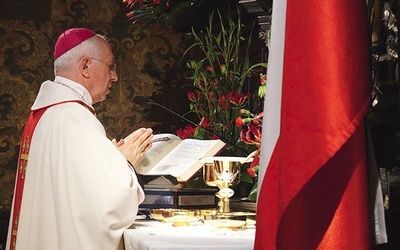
314	192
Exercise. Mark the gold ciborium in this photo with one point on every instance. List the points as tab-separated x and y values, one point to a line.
223	172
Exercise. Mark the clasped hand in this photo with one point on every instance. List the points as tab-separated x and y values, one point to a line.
135	145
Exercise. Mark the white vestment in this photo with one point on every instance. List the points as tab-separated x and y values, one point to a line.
79	191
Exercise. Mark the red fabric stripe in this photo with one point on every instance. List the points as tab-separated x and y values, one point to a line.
33	119
314	194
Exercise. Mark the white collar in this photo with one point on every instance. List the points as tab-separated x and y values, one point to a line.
77	87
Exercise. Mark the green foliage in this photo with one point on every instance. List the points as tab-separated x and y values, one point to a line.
218	77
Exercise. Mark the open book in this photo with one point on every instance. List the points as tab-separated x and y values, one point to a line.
170	155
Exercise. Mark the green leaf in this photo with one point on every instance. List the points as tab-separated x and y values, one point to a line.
253	192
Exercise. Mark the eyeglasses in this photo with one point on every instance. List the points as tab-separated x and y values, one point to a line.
112	66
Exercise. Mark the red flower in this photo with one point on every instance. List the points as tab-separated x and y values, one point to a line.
253	171
130	3
236	98
192	96
239	121
211	97
256	160
251	134
201	82
214	137
200	95
242	121
263	79
205	122
186	132
222	101
214	81
254	166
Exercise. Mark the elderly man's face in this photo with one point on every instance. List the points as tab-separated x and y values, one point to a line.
103	73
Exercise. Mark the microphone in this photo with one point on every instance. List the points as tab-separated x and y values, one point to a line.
142	100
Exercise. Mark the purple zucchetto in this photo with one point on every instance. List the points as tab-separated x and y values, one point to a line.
71	38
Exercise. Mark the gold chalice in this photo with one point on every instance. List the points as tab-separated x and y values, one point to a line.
223	172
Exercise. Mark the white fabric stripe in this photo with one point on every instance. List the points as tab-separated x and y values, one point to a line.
273	98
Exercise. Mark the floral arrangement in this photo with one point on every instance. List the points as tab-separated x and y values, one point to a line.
161	11
218	94
218	78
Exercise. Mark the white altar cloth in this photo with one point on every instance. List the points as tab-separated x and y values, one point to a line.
163	236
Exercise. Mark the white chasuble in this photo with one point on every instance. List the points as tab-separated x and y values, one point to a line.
79	192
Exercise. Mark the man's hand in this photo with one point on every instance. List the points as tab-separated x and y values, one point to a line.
135	145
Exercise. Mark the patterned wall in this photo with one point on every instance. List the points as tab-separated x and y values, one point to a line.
146	66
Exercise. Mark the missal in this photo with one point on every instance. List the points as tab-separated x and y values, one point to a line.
170	155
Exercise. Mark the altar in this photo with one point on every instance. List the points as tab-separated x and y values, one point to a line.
184	219
155	235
